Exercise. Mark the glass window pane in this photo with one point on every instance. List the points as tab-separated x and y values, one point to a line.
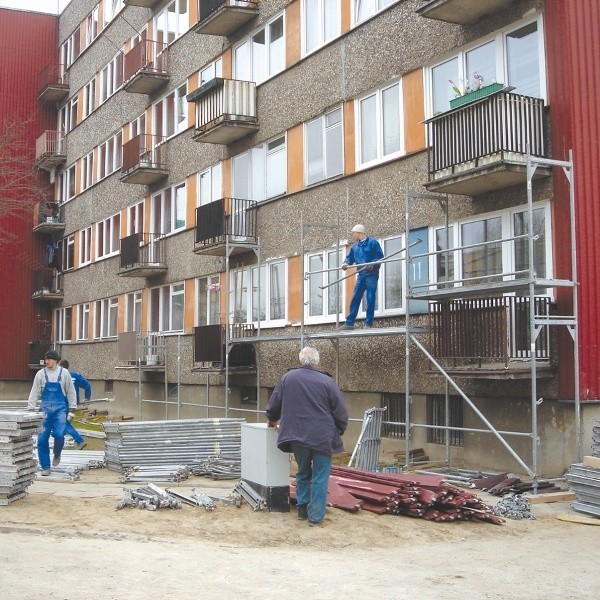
276	47
241	63
277	291
334	147
481	63
391	120
241	177
312	25
368	129
441	78
180	198
524	61
444	262
393	274
334	292
482	260
315	280
539	246
259	57
314	151
331	20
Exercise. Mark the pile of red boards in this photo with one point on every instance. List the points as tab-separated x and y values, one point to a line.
424	496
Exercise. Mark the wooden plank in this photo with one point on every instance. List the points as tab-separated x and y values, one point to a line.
565	496
592	461
578	519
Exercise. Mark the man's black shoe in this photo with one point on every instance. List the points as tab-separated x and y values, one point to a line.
302	512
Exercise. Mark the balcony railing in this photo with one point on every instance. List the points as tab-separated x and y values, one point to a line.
209	349
225	110
228	221
48	217
144	159
223	17
47	285
483	146
145	67
53	83
145	350
462	12
477	332
37	350
144	3
142	255
50	150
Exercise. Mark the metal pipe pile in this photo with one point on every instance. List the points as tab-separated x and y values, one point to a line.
219	467
152	443
585	482
72	462
17	463
156	473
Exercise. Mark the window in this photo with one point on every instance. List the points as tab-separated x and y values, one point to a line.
67	252
138	127
392	275
67	116
172	21
83	321
363	9
248	395
209	185
135	218
380	126
262	54
111	9
89	98
324	154
489	258
324	298
109	156
395	414
209	294
166	308
62	324
321	23
107	236
105	318
133	311
436	416
170	113
69	50
111	77
514	57
261	172
91	27
168	210
214	69
66	185
87	171
85	246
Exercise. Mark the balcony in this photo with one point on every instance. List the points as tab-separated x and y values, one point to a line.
144	3
223	17
225	110
489	337
482	147
48	218
142	255
461	12
144	160
47	285
209	350
50	150
37	351
145	67
225	227
142	350
53	84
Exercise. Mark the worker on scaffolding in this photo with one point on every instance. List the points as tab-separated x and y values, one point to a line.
365	250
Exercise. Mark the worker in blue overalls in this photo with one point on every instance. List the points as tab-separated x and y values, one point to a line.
53	388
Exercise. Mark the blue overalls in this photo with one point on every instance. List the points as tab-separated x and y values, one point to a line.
54	405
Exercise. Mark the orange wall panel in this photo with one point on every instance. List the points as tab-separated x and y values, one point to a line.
414	111
190	213
189	305
349	138
292	39
295	282
295	158
346	16
227	64
121	313
226	178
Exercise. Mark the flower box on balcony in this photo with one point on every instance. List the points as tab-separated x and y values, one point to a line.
482	92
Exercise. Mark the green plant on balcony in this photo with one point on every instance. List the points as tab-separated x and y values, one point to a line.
472	90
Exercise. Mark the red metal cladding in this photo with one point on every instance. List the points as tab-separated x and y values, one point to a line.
573	69
28	42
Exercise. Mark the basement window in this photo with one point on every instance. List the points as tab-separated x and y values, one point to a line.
395	414
436	416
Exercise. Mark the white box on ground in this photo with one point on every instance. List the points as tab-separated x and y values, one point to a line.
262	461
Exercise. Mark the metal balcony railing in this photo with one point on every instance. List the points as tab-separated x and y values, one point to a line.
227	219
37	350
486	330
53	83
47	283
48	217
50	150
223	17
209	348
143	349
142	254
144	159
145	66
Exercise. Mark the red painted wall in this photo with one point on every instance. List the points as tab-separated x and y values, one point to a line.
573	51
28	42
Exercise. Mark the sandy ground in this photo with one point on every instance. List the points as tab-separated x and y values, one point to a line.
67	540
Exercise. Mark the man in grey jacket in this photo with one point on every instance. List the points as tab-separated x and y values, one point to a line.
52	389
313	417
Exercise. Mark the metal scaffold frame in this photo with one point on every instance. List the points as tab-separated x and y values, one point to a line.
536	323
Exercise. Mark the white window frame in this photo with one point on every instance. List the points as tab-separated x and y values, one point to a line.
387	271
83	321
372	8
162	318
85	246
209	185
336	129
380	152
110	156
66	247
166	206
208	288
246	60
167	125
135	218
62	324
111	9
133	311
106	314
66	185
111	78
177	22
137	126
315	280
70	50
87	171
91	22
210	71
108	237
67	115
89	98
316	23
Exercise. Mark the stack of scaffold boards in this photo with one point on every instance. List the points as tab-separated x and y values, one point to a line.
17	463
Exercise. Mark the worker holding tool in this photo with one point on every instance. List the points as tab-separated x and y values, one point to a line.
53	388
364	250
313	417
79	381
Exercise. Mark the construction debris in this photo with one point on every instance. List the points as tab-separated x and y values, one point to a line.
155	473
585	482
221	466
72	462
513	506
366	452
248	493
151	498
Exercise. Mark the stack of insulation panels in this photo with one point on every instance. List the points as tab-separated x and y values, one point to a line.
584	480
17	463
153	443
596	439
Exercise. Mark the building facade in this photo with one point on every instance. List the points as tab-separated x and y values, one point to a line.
209	159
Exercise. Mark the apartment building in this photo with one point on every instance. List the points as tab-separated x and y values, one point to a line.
210	157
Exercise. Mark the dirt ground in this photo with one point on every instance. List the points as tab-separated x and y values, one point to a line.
67	540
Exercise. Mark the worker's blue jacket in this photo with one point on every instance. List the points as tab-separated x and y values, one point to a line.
312	410
365	251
